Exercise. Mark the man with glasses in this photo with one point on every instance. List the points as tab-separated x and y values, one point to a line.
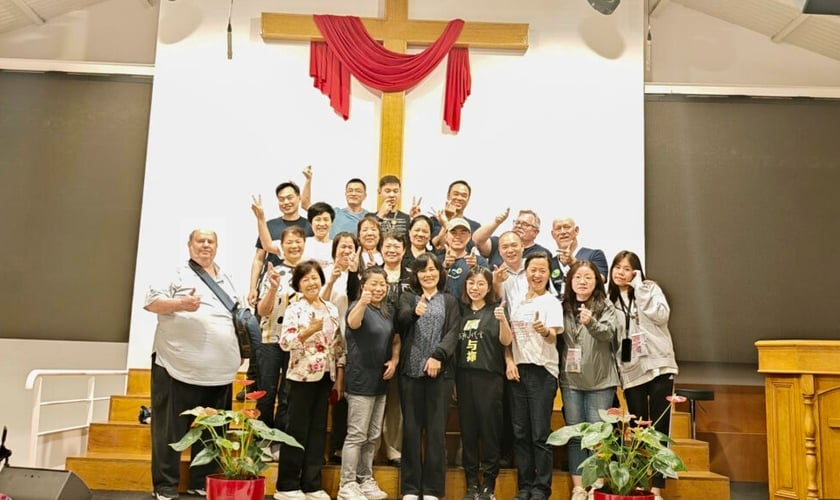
526	225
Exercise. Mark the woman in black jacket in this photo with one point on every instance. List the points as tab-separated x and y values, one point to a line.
429	321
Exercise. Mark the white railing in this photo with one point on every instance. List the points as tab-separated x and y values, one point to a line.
35	382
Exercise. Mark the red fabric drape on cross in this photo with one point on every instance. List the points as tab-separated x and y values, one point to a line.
349	49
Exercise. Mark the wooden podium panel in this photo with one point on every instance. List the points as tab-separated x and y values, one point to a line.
802	388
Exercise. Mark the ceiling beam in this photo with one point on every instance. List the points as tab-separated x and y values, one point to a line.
29	12
659	7
789	28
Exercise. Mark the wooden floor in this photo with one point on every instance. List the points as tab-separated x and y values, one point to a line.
118	459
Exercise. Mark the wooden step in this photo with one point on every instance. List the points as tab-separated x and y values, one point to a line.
140	381
697	485
127	472
131	438
694	453
126	408
680	425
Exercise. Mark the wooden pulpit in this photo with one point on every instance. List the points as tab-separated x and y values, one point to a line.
802	388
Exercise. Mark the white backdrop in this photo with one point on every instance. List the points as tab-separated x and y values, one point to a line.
558	129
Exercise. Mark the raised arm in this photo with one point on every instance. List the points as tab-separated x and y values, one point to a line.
306	190
481	236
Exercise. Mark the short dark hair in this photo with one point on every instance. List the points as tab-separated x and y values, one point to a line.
455	183
284	185
420	264
539	255
393	235
319	208
293	230
389	179
304	268
356	180
340	236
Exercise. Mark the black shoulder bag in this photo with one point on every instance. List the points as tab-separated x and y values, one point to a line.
244	322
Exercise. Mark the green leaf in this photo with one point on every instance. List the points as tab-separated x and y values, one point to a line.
187	440
204	457
562	435
619	477
595	434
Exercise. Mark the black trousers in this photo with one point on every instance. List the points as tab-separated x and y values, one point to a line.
647	401
300	469
425	407
170	397
480	396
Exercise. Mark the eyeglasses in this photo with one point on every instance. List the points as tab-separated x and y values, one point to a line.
523	223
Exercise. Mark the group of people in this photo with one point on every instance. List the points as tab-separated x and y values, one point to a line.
388	317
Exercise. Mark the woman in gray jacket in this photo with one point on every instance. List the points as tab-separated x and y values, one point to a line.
650	367
588	375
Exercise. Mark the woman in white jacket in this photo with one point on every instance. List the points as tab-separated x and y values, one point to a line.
649	368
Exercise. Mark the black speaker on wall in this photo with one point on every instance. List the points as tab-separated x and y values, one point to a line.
827	7
21	483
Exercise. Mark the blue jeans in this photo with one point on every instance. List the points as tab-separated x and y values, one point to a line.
364	426
582	406
531	404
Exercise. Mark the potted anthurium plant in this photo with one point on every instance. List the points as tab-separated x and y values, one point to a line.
625	453
234	439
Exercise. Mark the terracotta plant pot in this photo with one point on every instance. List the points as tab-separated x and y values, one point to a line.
220	488
638	495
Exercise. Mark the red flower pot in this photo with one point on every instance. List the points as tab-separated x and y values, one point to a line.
220	488
637	495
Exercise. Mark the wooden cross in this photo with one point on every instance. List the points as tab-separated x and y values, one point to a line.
398	32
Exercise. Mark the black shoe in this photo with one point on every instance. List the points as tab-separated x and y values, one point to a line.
487	494
523	495
240	396
145	415
472	492
395	462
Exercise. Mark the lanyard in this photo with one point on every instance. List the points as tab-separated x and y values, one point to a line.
628	311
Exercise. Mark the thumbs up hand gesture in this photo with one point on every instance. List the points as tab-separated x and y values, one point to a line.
316	324
190	302
585	315
365	297
422	306
470	259
499	312
448	259
539	327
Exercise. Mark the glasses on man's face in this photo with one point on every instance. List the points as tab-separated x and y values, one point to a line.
523	223
584	279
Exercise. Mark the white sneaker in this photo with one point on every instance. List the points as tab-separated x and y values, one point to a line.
579	493
429	497
410	497
317	495
351	491
161	496
371	490
289	495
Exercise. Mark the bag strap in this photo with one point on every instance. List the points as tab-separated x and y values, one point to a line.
229	304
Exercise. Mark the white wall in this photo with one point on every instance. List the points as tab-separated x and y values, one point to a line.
116	31
692	48
18	358
558	129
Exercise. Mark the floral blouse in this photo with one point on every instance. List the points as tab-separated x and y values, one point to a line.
322	352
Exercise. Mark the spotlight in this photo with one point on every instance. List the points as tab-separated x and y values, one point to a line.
605	7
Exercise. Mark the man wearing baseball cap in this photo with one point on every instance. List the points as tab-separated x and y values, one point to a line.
456	259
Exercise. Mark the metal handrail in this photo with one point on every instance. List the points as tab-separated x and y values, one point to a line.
35	381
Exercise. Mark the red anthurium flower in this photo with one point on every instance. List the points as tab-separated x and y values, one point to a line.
676	398
644	423
614	412
253	396
242	381
251	412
